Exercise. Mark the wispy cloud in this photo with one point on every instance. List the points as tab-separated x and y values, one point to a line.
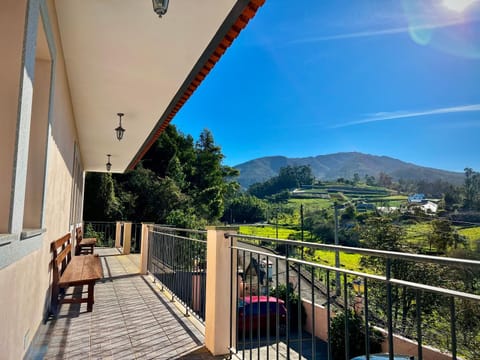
370	33
394	115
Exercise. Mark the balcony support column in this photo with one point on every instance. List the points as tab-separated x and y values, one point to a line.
118	234
127	237
144	248
219	277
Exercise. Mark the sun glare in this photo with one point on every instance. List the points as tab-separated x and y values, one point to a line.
458	5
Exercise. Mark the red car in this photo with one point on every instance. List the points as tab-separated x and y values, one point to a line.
256	312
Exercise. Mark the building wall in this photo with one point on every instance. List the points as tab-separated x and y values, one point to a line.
37	159
11	47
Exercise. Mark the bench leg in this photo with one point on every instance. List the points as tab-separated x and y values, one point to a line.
90	297
54	300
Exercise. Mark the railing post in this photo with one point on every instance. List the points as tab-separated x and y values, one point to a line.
144	249
218	305
127	237
118	233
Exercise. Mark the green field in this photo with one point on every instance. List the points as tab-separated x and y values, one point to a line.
314	199
473	235
312	204
267	231
347	261
325	257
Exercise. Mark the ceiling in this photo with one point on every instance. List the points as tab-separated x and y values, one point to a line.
121	57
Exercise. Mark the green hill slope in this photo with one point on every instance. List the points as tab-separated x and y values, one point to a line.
333	166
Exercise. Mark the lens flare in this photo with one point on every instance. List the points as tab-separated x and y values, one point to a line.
450	26
458	5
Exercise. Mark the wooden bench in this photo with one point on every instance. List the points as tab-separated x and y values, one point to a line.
83	245
71	270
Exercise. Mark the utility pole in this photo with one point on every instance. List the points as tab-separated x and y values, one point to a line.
276	223
301	224
337	255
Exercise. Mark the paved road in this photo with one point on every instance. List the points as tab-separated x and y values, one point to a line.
305	285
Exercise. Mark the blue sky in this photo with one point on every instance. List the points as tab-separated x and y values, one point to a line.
387	77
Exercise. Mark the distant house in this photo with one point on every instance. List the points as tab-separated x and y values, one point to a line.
387	209
428	207
252	280
416	198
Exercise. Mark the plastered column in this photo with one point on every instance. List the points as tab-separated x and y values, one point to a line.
127	237
218	305
118	233
25	102
144	248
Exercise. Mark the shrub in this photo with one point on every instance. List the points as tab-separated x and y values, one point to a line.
280	292
91	233
356	336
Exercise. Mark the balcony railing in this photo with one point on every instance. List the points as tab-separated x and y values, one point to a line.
177	259
395	307
395	303
104	231
106	234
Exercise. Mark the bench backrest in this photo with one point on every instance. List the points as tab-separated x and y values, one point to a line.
62	254
78	234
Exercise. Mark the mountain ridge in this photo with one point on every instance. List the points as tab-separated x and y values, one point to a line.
345	165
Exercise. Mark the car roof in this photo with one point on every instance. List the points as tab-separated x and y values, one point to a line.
256	299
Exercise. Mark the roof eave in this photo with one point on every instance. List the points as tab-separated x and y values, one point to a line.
235	22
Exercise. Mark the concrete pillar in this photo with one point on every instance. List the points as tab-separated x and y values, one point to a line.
127	237
218	305
118	234
144	248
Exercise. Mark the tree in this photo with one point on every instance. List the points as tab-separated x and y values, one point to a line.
472	190
380	233
370	180
356	178
289	177
384	180
176	182
153	197
442	235
451	197
101	202
209	182
245	208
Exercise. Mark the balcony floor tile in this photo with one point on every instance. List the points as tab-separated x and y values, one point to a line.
131	319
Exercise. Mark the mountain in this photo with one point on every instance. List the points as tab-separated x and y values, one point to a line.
346	164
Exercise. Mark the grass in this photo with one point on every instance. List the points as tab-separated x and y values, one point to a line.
418	234
347	261
312	204
267	231
473	235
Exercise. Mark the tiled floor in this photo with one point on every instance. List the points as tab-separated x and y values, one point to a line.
131	319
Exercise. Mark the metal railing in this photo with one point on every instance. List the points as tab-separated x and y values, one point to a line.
177	258
104	231
396	302
136	238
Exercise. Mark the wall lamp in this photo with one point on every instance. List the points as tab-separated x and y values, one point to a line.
108	164
160	7
120	130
